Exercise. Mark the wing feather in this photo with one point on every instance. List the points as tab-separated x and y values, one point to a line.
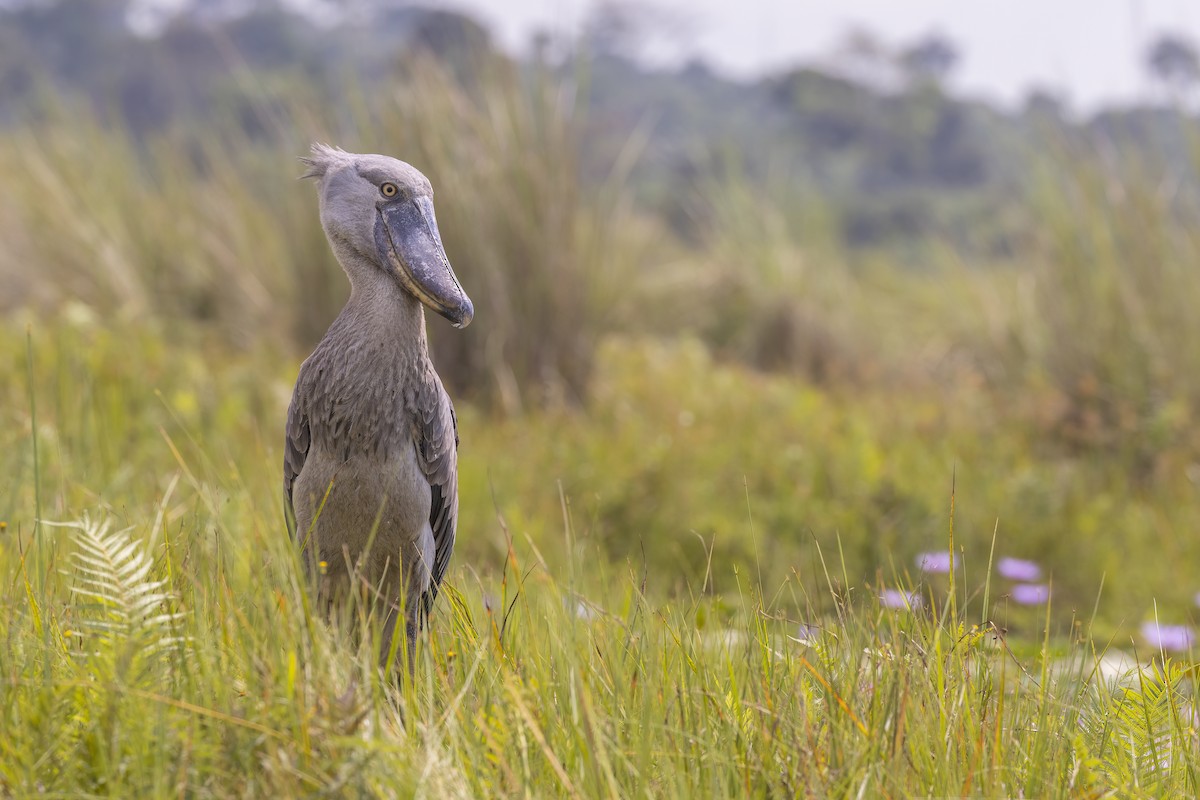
295	451
437	451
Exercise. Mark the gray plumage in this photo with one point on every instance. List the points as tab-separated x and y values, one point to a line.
370	459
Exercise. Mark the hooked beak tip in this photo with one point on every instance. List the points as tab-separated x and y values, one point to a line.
462	316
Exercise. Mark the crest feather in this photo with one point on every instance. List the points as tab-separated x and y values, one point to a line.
323	156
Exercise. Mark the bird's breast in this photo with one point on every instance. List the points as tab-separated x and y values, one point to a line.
362	471
366	500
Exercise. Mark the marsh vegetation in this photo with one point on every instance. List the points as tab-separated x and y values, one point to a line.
760	496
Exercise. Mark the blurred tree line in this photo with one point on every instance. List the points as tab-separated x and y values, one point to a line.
873	132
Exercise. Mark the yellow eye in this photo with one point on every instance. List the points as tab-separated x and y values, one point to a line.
389	190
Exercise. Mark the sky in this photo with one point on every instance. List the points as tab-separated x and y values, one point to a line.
1088	51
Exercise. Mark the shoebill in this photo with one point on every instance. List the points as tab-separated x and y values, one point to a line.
370	459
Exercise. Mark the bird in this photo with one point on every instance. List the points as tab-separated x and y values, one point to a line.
370	467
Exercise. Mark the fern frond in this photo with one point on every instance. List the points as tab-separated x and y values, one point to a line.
125	604
1134	730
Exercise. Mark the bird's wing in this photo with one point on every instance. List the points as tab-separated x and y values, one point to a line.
437	451
295	451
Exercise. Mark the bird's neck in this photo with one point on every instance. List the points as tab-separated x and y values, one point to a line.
381	310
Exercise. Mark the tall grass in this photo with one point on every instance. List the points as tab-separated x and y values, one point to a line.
678	463
764	286
1109	319
209	226
167	231
630	701
549	260
181	655
526	686
214	229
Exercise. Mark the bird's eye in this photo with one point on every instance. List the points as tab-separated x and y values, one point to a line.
389	190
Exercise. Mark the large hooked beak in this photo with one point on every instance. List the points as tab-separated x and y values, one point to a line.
406	235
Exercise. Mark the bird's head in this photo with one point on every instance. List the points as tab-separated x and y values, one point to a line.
381	209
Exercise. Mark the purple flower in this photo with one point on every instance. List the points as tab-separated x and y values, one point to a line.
894	598
1168	637
939	561
1018	569
807	634
1031	594
1197	598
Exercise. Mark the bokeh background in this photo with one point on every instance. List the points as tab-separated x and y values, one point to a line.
756	292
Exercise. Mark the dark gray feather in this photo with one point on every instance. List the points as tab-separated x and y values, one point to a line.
295	451
436	434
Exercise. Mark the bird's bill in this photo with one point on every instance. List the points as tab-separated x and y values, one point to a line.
406	234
